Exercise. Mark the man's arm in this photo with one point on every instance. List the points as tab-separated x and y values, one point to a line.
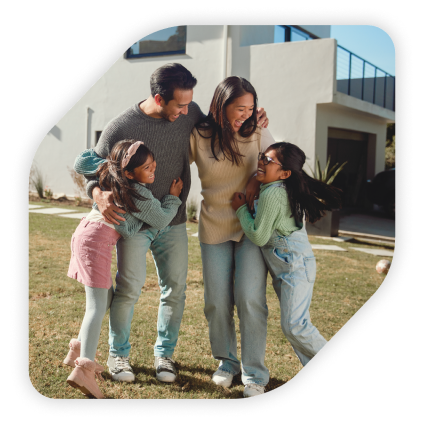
263	121
107	208
86	164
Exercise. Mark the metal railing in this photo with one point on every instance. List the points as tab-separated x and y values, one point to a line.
359	78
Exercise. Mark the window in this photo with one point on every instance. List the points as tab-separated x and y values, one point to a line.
285	33
98	134
161	43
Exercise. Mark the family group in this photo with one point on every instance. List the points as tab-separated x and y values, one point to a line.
256	198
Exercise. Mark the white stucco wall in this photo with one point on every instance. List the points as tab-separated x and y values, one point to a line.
337	116
291	79
124	84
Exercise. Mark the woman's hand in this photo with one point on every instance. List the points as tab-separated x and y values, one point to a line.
252	191
263	121
176	187
107	208
239	199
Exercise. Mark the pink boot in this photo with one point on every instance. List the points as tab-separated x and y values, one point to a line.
82	377
74	352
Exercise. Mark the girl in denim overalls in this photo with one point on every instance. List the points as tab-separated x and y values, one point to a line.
287	195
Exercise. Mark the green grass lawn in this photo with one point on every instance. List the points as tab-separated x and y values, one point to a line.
345	281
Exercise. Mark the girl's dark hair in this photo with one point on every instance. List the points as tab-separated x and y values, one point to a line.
112	176
169	77
307	196
222	134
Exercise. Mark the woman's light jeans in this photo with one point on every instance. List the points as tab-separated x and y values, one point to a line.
234	273
169	249
292	265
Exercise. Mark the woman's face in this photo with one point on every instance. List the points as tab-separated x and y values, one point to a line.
240	110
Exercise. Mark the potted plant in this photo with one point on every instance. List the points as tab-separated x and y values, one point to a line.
328	225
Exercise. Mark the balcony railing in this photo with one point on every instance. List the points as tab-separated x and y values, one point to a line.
359	78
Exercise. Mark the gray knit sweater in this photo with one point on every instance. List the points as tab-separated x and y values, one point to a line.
169	142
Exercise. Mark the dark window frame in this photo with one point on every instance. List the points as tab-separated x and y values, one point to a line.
294	28
128	55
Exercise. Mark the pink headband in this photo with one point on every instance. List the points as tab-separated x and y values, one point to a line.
130	153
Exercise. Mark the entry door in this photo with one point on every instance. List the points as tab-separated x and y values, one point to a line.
352	179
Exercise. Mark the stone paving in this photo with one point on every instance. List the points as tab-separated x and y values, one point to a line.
70	213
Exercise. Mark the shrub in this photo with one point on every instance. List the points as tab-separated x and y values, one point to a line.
328	174
80	183
36	180
48	193
191	210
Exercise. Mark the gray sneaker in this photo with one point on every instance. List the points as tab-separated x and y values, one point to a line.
253	389
120	368
165	369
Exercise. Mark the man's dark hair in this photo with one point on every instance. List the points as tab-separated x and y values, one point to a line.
169	77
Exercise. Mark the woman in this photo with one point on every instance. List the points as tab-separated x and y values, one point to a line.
225	147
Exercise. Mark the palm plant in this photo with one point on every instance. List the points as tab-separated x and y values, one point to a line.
328	174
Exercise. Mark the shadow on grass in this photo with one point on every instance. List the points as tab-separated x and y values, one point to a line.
145	377
371	244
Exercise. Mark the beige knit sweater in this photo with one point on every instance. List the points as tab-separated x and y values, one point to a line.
218	222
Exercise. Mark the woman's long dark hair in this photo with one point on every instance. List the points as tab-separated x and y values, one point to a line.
222	135
112	177
307	196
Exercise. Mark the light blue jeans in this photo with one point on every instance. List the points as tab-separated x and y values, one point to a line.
170	252
234	273
292	265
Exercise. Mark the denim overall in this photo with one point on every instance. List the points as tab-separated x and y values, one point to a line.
292	266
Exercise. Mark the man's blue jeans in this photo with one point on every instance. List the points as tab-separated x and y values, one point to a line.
170	252
292	265
234	273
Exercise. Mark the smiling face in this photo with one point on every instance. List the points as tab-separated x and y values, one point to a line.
240	110
270	171
175	107
144	173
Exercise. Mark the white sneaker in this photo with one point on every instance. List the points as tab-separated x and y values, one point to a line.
222	378
120	368
253	389
165	369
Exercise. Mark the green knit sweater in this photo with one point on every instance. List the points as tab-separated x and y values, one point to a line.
157	214
273	213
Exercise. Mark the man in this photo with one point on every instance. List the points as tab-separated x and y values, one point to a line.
163	122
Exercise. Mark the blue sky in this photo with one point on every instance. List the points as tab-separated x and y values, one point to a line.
369	42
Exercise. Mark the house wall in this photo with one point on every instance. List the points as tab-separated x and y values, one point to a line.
337	116
125	83
291	79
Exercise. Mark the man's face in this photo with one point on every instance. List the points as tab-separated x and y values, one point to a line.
177	106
